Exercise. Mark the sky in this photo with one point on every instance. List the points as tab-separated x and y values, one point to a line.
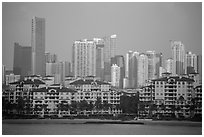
138	26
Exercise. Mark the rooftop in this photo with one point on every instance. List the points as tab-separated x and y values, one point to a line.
88	82
28	81
176	78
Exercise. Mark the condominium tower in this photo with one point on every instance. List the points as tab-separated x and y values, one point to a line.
84	58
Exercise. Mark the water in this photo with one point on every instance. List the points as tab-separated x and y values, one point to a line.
97	129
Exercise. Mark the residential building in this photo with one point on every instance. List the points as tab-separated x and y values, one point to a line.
191	63
50	58
84	58
142	70
178	55
38	46
169	65
115	75
120	62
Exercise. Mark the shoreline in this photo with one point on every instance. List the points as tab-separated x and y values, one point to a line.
99	121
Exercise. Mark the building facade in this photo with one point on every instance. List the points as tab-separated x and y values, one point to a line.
84	58
115	75
142	70
22	60
38	46
178	55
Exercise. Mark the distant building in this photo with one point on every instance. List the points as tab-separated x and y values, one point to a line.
99	58
50	58
38	46
115	75
191	63
120	62
142	70
131	66
169	65
12	78
178	55
22	60
84	58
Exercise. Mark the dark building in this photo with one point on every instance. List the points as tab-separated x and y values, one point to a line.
22	60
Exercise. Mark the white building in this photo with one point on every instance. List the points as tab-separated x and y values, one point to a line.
191	63
178	55
142	70
169	65
115	75
84	58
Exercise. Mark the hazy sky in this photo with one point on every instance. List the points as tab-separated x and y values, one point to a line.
138	26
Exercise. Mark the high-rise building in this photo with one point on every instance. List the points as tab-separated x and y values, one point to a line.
151	64
50	58
178	55
22	60
68	69
109	51
115	75
100	61
191	63
38	46
158	64
131	72
113	45
119	61
142	70
84	58
169	65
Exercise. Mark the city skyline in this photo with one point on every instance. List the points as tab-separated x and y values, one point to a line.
137	35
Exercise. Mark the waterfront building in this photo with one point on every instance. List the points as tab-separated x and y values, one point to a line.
115	75
22	60
167	94
178	55
38	46
84	58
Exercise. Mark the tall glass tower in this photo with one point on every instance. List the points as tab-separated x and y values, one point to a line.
38	46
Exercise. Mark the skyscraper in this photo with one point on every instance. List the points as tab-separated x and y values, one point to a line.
22	60
38	46
132	69
169	65
142	70
178	55
84	58
115	75
191	63
3	74
113	45
151	64
100	61
119	61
